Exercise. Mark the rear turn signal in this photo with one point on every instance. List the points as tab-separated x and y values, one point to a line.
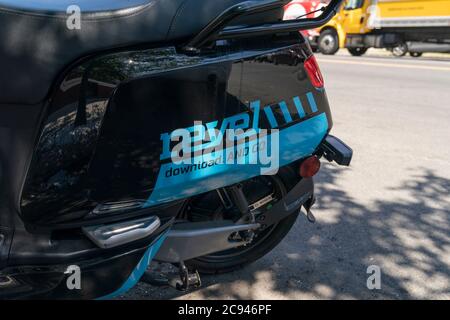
313	71
309	167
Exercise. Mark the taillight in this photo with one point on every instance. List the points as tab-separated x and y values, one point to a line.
313	71
309	167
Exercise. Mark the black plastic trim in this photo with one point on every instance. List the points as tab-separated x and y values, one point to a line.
334	149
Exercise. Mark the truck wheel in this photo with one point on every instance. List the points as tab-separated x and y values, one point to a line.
416	54
328	42
357	51
400	50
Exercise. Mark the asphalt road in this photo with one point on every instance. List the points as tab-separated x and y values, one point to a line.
391	208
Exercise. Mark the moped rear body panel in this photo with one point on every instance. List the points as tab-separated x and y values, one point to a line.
89	170
106	134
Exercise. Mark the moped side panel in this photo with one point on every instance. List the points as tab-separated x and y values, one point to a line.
107	136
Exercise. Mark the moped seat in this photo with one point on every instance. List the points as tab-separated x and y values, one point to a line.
36	42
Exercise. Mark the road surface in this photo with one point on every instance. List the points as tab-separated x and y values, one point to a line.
390	209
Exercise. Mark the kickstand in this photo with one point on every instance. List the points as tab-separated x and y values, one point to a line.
184	281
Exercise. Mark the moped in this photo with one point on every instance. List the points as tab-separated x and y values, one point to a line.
181	131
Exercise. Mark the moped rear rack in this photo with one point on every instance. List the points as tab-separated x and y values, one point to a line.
217	29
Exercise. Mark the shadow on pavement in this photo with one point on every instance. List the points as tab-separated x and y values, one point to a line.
409	238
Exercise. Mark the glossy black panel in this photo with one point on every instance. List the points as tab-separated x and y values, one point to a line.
101	141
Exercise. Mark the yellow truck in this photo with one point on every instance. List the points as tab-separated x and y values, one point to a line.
401	26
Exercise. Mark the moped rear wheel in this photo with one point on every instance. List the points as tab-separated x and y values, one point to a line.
209	207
